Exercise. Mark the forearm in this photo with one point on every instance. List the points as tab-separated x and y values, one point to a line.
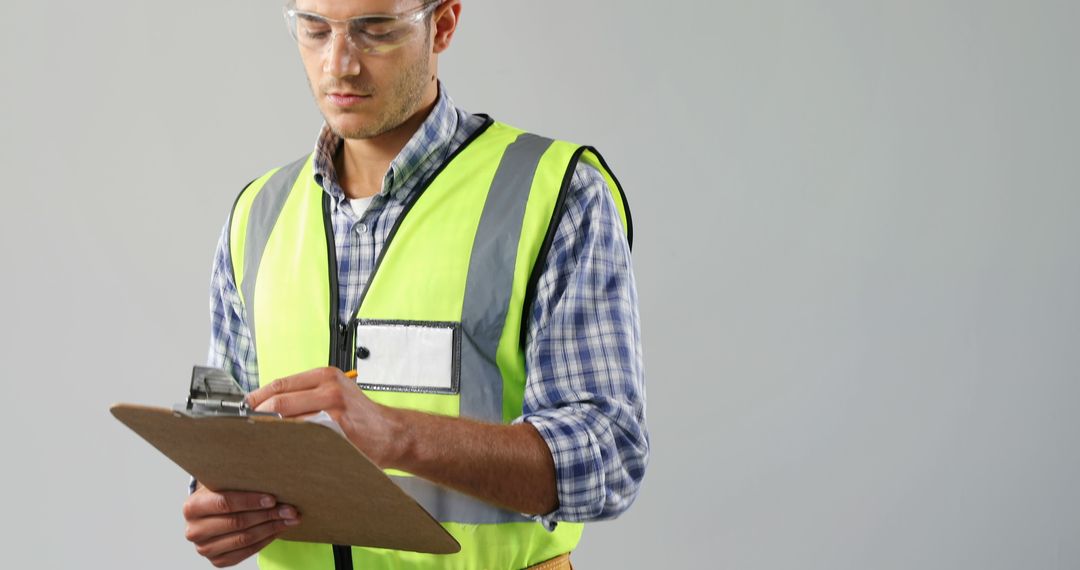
506	465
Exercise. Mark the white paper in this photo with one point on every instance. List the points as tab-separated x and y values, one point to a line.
322	418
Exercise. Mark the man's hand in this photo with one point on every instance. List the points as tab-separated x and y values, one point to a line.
506	465
229	527
370	426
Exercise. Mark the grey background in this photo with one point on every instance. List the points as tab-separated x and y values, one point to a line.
856	233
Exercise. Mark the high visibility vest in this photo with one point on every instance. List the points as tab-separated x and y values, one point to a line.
465	255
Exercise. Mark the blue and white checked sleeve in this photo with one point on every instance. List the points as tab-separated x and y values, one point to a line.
231	347
585	390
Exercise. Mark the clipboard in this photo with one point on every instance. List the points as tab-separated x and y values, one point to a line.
342	496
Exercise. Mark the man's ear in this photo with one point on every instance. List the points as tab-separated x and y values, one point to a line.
445	21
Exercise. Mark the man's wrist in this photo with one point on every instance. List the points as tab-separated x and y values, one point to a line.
400	438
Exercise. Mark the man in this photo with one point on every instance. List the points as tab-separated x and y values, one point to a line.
477	278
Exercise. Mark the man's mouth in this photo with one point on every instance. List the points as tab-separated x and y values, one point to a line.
346	99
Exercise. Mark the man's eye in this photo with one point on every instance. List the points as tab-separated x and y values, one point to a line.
377	37
380	33
378	29
316	34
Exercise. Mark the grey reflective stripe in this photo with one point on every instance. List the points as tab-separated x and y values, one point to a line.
483	314
450	506
491	277
264	213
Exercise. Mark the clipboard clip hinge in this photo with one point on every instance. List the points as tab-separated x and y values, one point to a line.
214	392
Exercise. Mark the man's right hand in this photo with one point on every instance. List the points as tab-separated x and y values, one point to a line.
230	526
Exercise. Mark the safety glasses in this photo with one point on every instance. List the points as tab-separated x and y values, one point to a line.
372	33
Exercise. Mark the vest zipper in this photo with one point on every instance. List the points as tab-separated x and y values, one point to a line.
343	337
345	344
342	557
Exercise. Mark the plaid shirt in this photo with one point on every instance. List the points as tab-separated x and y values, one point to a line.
584	390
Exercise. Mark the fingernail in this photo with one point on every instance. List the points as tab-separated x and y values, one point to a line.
291	522
287	513
267	501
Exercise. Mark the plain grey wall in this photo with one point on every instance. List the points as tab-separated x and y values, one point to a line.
856	221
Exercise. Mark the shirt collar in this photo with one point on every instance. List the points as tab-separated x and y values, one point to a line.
430	140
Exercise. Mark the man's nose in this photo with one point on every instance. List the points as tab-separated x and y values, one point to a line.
339	59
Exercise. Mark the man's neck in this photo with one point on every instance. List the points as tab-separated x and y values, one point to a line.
362	163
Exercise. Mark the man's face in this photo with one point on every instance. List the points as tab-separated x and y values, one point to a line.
362	95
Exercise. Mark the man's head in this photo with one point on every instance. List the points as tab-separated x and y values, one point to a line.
371	64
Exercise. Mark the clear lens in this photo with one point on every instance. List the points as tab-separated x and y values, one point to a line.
368	34
312	30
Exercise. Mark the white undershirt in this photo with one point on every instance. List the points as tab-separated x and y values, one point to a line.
360	205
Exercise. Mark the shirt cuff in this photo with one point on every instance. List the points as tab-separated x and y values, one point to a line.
579	472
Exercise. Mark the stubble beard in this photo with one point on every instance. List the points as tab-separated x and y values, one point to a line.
403	98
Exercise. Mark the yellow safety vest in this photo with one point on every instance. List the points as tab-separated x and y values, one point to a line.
464	257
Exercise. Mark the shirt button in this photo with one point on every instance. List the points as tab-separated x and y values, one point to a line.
361	228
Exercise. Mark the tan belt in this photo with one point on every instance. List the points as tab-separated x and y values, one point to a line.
557	563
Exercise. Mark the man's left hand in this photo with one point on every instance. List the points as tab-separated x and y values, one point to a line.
370	426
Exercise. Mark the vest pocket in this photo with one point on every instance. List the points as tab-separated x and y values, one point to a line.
414	357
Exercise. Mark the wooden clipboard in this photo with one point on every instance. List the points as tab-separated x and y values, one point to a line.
342	496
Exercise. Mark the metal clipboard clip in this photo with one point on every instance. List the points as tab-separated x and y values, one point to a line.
214	392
